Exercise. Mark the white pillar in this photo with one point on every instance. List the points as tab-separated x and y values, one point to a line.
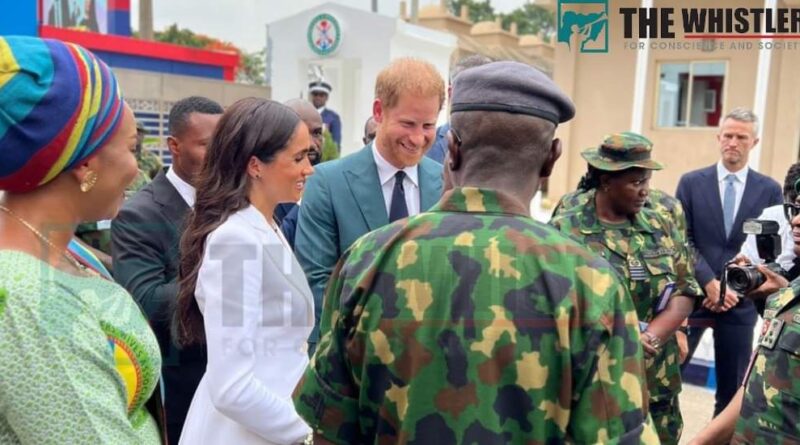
762	88
640	80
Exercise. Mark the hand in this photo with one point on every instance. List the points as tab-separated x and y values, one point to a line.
773	284
712	297
650	344
742	260
683	346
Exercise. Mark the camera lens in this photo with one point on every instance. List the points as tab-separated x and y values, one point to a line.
744	279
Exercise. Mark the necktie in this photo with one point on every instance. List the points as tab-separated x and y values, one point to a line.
398	208
729	203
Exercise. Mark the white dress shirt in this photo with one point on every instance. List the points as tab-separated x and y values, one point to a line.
386	172
184	189
738	184
787	256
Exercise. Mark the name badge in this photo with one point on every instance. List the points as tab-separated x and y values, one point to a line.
770	333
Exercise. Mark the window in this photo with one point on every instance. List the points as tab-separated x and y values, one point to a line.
690	94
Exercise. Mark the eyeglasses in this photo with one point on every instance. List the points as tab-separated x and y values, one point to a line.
791	210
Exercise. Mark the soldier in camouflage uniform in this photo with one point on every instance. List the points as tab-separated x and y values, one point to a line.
472	323
639	243
148	162
766	409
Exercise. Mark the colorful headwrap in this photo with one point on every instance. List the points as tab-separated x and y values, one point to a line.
59	103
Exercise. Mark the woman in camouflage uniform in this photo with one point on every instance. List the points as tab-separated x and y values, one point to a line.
641	245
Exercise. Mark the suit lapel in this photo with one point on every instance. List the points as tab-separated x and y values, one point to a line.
363	182
172	204
713	200
430	185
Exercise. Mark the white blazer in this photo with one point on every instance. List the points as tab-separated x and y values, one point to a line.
258	313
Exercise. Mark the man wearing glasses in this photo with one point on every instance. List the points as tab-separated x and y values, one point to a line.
766	409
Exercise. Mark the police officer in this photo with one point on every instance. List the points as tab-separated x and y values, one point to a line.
639	243
472	323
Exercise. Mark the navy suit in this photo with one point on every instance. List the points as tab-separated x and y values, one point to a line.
332	122
699	194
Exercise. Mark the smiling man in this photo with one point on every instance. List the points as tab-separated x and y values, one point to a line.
717	200
387	180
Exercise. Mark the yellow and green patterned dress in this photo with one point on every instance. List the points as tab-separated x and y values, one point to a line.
78	360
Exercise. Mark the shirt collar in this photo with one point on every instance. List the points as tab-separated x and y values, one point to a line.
184	189
590	223
723	172
386	171
479	200
320	109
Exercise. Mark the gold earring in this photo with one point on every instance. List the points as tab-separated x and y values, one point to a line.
89	181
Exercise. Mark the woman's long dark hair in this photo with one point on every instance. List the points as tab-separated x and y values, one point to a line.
250	127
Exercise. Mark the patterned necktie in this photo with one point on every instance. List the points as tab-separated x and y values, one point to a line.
398	208
729	203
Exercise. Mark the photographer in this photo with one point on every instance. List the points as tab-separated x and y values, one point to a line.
765	408
777	213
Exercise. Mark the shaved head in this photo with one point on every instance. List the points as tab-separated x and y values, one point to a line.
310	116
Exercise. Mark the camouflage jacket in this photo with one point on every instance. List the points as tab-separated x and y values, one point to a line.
473	323
149	163
771	407
661	202
653	267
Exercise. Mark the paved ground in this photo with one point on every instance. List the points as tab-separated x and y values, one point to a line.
697	405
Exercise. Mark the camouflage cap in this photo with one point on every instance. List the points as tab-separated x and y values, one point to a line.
621	151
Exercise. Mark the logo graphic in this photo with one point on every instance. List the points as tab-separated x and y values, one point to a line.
585	24
324	34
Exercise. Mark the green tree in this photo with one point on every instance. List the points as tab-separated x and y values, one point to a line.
329	149
531	19
251	65
479	11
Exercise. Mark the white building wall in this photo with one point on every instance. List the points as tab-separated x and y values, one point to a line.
369	42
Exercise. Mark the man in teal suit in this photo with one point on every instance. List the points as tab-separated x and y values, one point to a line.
389	179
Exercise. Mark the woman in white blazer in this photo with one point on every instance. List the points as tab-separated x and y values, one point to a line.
242	292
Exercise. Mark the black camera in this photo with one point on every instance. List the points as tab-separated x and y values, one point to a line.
744	279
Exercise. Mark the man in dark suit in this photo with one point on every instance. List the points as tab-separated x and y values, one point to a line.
319	91
387	180
145	240
717	200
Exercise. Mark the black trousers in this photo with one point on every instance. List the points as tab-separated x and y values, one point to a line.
733	346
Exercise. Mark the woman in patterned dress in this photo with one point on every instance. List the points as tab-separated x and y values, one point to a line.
78	361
